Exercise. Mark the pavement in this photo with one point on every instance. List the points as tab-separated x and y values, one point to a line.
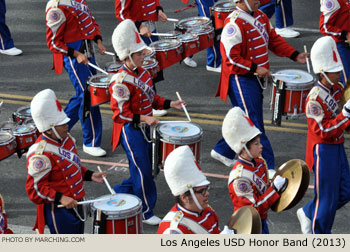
21	77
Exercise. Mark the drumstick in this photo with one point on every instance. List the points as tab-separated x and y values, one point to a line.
307	60
85	202
109	53
173	121
162	34
97	68
106	182
172	20
183	106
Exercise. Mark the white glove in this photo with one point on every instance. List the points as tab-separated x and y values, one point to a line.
346	109
279	182
227	230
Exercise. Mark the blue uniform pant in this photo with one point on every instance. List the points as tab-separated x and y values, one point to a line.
284	12
62	220
79	74
344	53
213	53
140	182
246	93
6	41
332	186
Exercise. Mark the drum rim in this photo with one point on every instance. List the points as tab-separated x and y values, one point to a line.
12	138
181	140
219	7
297	86
203	31
178	44
150	66
180	23
196	38
108	64
135	209
33	131
100	85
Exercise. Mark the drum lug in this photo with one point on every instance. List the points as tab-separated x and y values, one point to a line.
166	55
219	15
198	44
107	92
94	91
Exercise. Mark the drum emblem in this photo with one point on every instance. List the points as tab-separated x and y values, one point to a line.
116	202
179	129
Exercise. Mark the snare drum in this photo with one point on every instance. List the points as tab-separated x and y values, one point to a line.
7	144
25	135
296	90
117	214
168	52
7	126
99	92
22	114
221	11
31	122
175	134
193	22
190	44
151	65
205	36
150	53
113	67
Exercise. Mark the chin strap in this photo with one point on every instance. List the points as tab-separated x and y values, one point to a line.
248	6
195	199
325	75
56	133
132	62
248	152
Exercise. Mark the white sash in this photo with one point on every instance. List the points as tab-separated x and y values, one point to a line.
71	157
329	100
76	5
256	180
148	90
190	224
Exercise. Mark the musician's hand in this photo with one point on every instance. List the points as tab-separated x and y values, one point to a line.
101	47
301	58
81	58
144	31
346	109
68	202
263	72
162	16
279	183
98	176
149	120
177	104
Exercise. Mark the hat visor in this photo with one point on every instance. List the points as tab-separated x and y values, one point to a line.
203	183
66	120
145	49
335	69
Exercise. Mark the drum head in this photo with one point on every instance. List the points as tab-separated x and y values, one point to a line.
118	205
187	37
298	175
201	30
194	22
100	80
6	137
180	132
113	66
227	6
166	44
245	220
7	125
24	111
24	129
295	78
149	63
172	35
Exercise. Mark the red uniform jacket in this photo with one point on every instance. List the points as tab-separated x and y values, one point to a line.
335	19
137	10
244	45
325	125
248	185
67	21
132	95
54	170
182	221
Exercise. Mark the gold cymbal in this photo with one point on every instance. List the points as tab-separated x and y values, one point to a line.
298	175
245	220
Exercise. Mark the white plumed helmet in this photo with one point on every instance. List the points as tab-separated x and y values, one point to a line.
47	111
126	39
325	56
238	129
182	172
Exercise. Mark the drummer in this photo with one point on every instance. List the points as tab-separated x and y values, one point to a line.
325	151
248	182
191	214
55	174
245	64
132	100
3	219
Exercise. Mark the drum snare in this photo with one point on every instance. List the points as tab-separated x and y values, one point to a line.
168	52
99	85
113	67
25	135
119	213
193	22
21	114
7	144
221	11
190	44
205	36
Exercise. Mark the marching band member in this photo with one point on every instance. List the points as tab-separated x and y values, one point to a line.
245	40
70	30
248	183
335	22
144	13
191	214
3	218
325	151
132	100
284	16
55	174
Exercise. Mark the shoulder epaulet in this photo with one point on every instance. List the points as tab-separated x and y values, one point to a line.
236	173
41	147
314	93
233	16
176	219
119	77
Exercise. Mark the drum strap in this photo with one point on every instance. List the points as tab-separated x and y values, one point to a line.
260	185
256	24
173	217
